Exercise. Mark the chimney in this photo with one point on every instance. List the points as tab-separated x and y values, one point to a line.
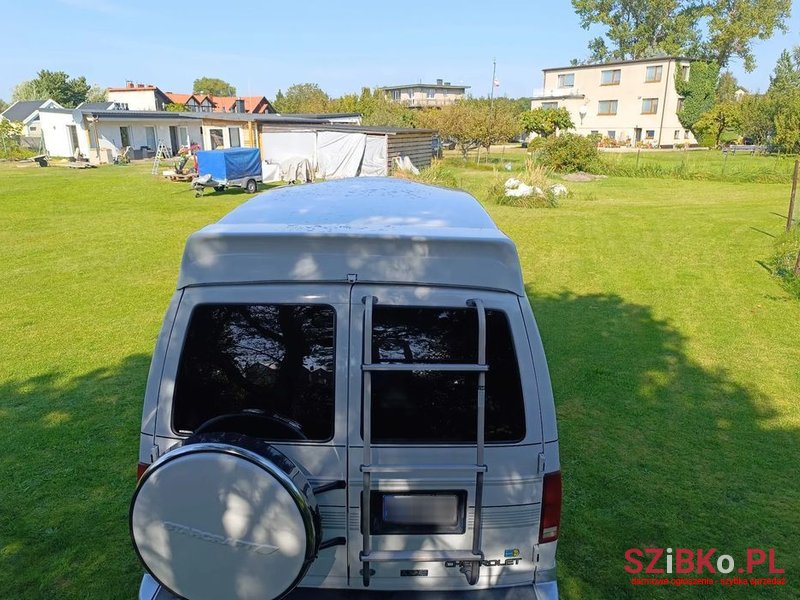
129	84
439	82
240	105
447	83
141	85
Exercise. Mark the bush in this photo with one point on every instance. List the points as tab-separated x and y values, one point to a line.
569	153
16	153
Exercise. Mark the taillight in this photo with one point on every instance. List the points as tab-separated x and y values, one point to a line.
140	469
550	520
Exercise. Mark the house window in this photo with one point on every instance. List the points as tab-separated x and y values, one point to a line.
233	134
677	135
686	134
124	136
217	140
183	133
653	74
685	72
680	105
650	134
595	132
549	105
607	107
431	93
395	94
649	106
567	80
610	77
150	136
611	134
274	361
446	399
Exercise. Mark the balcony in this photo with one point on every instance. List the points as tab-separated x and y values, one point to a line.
428	102
565	92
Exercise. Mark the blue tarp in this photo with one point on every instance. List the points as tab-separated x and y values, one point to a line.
228	164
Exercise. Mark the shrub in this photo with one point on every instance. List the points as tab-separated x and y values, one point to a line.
570	153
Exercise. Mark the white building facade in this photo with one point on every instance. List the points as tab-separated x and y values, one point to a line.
100	135
628	102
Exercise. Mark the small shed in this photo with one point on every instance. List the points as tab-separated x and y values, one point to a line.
337	151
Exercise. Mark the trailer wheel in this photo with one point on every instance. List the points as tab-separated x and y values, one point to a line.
251	186
219	188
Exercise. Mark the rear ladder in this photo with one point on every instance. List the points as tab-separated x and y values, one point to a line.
470	558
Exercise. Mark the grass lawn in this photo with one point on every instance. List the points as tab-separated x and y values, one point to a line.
704	165
674	357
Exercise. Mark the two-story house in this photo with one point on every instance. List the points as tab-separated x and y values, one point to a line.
630	101
424	95
138	96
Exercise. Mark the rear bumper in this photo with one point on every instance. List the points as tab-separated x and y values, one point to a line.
547	590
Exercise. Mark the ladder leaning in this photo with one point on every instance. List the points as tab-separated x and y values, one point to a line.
161	152
470	558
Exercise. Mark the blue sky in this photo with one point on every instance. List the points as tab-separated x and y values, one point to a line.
261	48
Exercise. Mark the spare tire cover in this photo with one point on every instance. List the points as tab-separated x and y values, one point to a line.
225	516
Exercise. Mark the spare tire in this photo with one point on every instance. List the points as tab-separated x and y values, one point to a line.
225	516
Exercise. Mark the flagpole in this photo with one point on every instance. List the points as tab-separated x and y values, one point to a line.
491	92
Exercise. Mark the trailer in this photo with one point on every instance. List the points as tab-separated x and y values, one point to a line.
231	167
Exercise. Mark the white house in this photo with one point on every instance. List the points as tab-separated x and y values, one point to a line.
632	101
27	113
100	135
424	95
138	96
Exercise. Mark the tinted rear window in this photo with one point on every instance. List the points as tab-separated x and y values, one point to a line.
441	407
266	359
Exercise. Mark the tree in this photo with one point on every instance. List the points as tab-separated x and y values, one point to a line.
213	86
699	93
501	122
97	94
732	25
3	105
757	118
724	116
175	107
546	121
785	77
787	123
53	84
472	123
727	86
303	98
714	30
457	122
638	28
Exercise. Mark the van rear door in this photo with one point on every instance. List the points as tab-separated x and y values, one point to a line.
429	501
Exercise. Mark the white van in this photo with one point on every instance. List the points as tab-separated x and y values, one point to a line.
349	395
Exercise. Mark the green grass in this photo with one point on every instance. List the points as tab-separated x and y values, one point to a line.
673	354
703	165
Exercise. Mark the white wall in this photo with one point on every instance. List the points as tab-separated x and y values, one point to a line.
629	93
109	132
135	99
226	136
56	134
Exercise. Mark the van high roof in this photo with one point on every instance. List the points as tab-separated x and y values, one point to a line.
380	230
